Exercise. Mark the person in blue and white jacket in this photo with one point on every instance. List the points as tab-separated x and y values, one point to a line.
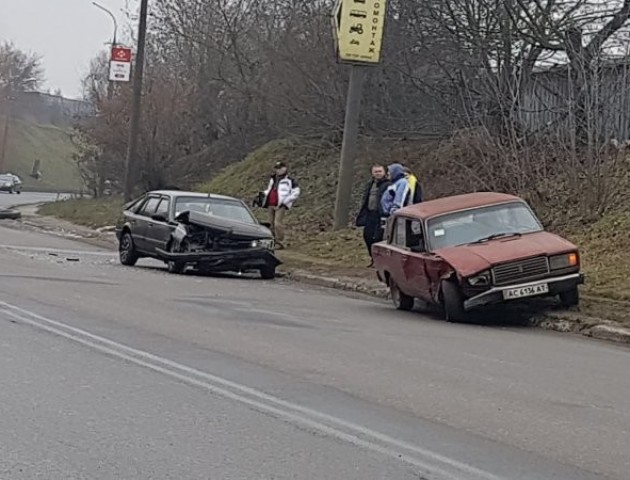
398	193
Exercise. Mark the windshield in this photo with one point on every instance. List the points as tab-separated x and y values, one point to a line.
6	178
482	224
232	209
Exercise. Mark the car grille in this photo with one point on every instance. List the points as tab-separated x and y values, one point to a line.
529	269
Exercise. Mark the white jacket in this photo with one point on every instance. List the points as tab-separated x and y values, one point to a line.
288	192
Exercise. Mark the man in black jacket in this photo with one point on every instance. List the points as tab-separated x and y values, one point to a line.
370	212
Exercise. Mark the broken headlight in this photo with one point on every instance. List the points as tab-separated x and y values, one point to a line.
264	243
480	280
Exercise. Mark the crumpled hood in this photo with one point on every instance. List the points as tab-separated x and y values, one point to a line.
471	259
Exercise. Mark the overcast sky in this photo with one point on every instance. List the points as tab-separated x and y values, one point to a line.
67	33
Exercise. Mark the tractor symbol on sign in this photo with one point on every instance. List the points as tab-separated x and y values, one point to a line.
358	28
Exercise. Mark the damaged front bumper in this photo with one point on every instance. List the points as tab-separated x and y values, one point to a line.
555	286
227	260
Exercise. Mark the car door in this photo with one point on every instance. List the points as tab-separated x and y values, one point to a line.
415	267
158	231
411	271
142	219
399	255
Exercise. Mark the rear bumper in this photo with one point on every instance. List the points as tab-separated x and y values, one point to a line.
250	259
495	294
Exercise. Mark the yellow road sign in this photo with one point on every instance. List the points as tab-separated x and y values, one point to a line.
359	29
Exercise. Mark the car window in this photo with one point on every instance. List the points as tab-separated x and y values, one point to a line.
149	207
479	224
163	207
408	233
400	233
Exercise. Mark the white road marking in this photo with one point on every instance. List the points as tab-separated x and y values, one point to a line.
430	463
58	250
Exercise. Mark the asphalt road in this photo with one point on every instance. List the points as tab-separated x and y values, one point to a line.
109	372
8	200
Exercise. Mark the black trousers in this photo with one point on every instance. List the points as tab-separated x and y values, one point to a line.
372	232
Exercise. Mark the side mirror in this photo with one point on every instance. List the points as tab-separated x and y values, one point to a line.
158	217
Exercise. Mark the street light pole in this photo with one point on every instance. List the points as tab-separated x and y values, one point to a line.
110	84
136	108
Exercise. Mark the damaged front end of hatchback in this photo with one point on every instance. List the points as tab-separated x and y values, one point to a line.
211	243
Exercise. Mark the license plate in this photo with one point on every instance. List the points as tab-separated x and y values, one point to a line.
523	292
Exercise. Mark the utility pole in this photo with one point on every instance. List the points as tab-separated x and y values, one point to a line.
5	133
349	146
136	107
358	27
110	84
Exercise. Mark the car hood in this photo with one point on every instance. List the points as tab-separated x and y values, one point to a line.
471	259
225	226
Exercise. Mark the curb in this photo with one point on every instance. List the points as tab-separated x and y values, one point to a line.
592	327
346	284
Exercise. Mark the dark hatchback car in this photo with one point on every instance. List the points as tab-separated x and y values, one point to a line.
211	233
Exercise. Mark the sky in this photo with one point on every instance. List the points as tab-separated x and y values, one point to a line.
66	33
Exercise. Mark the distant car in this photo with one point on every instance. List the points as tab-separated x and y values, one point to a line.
211	233
468	251
10	183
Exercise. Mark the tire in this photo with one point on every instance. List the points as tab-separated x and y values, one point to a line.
570	298
453	302
127	252
176	268
19	192
400	300
268	273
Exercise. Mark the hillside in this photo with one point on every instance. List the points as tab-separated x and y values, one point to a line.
313	244
603	242
30	141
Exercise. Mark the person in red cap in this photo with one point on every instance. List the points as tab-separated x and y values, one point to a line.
278	198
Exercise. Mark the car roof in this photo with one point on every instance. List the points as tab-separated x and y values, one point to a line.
180	193
441	206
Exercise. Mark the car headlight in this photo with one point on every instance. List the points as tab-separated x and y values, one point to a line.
568	260
264	243
482	279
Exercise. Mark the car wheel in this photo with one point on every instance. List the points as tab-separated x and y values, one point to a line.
453	302
400	300
127	250
570	298
268	273
176	268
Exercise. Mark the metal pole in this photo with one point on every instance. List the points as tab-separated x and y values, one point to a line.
110	84
5	134
108	12
349	147
136	108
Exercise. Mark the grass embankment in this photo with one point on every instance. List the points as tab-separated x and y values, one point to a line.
51	145
312	244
